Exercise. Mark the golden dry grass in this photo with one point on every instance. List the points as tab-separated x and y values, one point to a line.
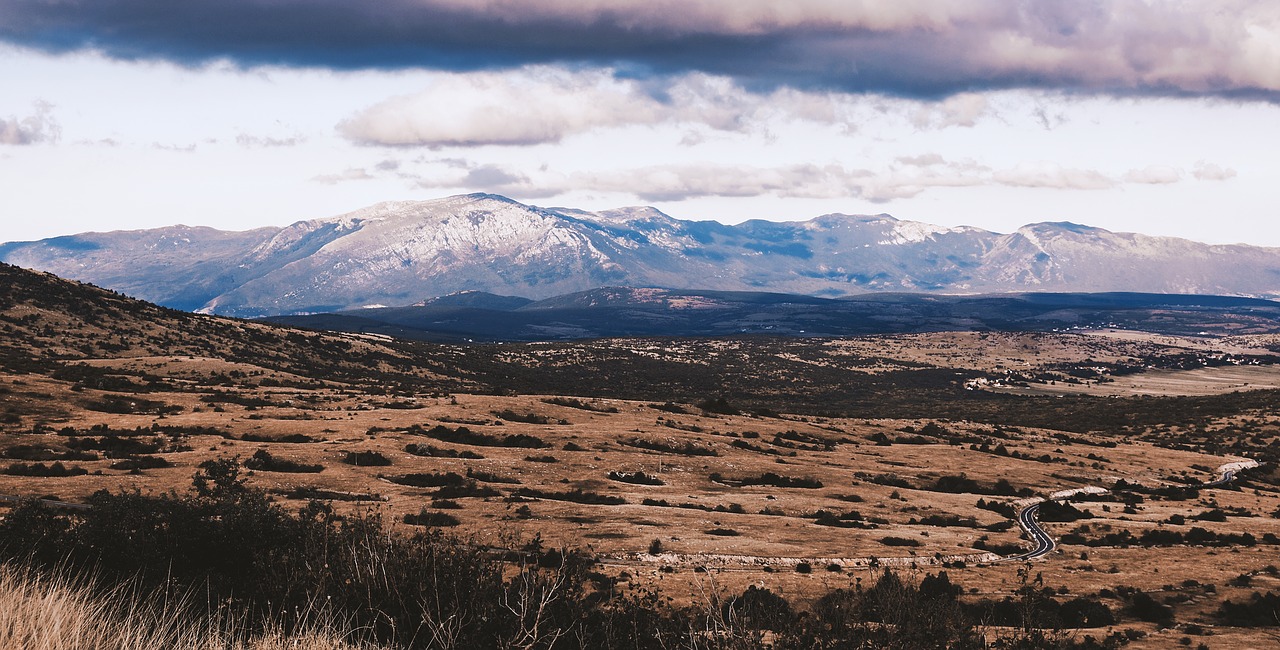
591	444
55	612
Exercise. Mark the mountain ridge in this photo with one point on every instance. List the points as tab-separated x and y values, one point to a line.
399	253
626	312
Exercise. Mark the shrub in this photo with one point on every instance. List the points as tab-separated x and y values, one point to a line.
468	489
1061	511
719	405
40	469
669	407
771	479
131	404
1259	610
851	498
899	541
429	480
527	418
1145	608
686	449
35	452
955	484
951	520
760	609
308	493
116	446
141	462
490	477
1216	515
430	518
262	460
889	480
637	477
850	519
366	459
579	404
436	452
465	436
576	496
292	438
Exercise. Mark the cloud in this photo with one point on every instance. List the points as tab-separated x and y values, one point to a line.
177	148
958	110
1051	176
33	129
678	182
1206	171
351	174
254	141
660	182
502	109
540	105
1154	175
918	48
922	160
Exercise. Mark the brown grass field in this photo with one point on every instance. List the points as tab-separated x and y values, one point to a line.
876	477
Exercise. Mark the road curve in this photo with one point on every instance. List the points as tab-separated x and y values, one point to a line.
1044	543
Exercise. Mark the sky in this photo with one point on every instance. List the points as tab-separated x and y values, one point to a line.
1153	116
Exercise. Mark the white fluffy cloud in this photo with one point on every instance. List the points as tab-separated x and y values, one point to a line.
502	109
964	109
545	105
38	127
1154	175
1207	171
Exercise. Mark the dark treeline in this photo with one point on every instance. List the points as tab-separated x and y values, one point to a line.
233	547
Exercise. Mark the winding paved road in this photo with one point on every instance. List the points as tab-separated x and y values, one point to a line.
1044	543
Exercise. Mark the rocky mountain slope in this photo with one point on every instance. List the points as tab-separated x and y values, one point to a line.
396	254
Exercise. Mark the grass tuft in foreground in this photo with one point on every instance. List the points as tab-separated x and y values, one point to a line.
56	611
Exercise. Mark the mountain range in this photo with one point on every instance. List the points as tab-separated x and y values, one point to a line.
404	253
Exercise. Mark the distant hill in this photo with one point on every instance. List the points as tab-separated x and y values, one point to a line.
618	312
404	253
49	323
68	345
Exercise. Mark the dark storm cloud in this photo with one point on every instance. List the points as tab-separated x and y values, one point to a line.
923	48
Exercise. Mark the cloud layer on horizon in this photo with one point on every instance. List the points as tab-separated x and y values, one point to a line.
679	182
915	48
